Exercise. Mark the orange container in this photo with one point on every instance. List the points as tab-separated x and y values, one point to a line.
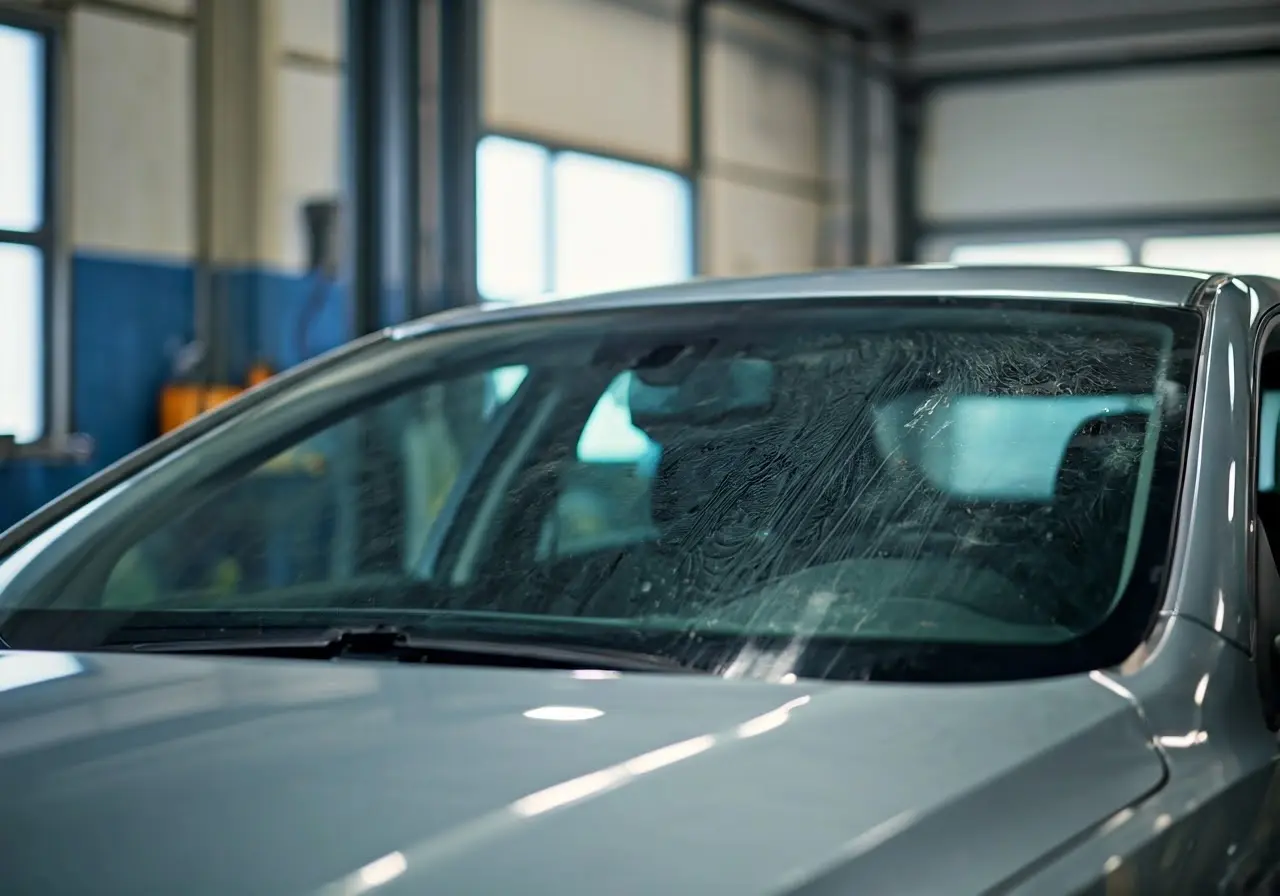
183	402
259	373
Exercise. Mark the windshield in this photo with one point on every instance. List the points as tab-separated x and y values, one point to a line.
968	492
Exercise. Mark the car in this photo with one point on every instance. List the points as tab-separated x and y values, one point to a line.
919	580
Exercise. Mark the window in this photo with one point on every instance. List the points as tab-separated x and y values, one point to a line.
782	493
569	222
1086	253
605	494
511	214
359	500
1224	254
617	225
1007	447
24	232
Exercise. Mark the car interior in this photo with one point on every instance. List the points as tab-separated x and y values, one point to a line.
1268	492
744	497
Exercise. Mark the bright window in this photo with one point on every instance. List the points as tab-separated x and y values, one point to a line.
1228	254
618	225
569	222
1086	253
21	110
22	233
511	190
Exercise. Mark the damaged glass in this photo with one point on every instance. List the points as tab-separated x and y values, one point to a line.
951	494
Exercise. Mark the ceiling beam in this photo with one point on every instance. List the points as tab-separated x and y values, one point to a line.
859	16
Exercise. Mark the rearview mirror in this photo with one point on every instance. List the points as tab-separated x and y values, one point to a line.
708	391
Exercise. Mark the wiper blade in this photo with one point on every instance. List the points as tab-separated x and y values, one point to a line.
390	643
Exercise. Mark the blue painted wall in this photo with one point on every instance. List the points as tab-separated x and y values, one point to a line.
129	315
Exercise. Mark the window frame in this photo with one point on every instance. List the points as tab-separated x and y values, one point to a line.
554	150
56	440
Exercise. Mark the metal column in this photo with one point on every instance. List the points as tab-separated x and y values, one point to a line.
384	159
696	31
457	38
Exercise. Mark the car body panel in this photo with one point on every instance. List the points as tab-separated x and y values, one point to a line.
151	774
1133	285
1212	827
258	776
1212	528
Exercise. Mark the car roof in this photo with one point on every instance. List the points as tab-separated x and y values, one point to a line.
1135	285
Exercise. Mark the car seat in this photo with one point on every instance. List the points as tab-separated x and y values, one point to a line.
1098	482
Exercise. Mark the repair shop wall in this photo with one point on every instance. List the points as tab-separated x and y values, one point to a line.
133	211
764	187
1149	142
583	175
613	78
129	158
293	308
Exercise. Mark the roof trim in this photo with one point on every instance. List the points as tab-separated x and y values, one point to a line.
1132	285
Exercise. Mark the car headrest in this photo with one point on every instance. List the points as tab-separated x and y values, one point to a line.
1104	449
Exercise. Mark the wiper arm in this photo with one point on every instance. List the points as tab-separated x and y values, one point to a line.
393	644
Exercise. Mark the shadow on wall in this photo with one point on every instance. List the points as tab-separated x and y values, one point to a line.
128	314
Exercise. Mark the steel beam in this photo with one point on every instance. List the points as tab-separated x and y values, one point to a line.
383	176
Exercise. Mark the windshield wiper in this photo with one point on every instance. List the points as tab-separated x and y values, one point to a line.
393	644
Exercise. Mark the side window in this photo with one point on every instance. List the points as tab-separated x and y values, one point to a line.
1268	430
605	493
360	499
994	447
1267	503
503	383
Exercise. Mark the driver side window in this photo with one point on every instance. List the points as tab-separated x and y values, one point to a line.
362	498
605	492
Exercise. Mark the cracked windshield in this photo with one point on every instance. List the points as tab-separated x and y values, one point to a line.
640	447
767	499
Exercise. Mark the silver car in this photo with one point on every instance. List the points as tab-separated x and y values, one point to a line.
909	581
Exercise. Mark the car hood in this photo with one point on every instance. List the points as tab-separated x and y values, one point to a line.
150	774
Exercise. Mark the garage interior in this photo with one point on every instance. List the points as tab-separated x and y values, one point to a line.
197	194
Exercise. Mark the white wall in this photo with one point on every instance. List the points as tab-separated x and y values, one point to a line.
608	75
605	74
612	76
132	129
1150	141
764	191
131	132
308	156
312	27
